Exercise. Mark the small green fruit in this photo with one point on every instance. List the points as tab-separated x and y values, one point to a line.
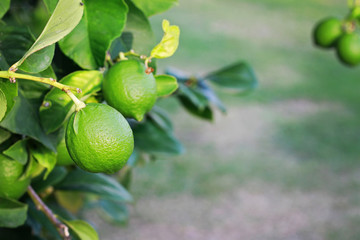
10	172
348	49
129	89
327	32
63	156
99	139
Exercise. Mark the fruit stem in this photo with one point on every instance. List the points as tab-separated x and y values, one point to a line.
12	76
41	206
131	53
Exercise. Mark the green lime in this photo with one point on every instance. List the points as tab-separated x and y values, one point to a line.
10	172
327	32
99	139
63	157
348	49
129	89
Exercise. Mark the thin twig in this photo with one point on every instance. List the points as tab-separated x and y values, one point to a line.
41	206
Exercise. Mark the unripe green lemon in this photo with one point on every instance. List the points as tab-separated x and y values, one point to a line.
63	157
10	172
99	139
327	32
348	49
129	89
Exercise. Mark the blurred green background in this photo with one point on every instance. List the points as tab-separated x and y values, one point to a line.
284	163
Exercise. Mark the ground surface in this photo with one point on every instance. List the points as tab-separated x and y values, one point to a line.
284	163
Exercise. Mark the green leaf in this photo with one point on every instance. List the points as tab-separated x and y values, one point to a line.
4	7
102	22
3	104
82	229
57	106
238	77
152	138
210	94
56	176
64	19
50	5
161	118
38	61
44	157
154	6
15	41
165	85
11	91
169	43
99	184
12	213
4	135
39	222
25	109
137	34
115	212
195	102
18	151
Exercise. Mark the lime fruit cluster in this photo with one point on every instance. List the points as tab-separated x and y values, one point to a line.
11	185
129	89
332	32
99	139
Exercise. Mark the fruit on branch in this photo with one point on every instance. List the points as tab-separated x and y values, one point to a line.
129	89
327	32
348	49
63	157
11	186
99	139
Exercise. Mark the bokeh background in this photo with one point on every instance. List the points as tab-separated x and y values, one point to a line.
284	163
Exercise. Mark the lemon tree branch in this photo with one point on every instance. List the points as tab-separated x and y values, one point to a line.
12	76
41	206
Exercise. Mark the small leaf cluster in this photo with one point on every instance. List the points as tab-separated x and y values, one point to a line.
77	42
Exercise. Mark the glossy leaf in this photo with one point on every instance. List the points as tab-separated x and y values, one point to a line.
64	19
169	43
18	151
239	77
38	61
161	118
25	109
3	104
137	34
12	213
165	85
39	222
70	200
210	94
82	229
100	184
4	7
204	112
154	6
195	102
102	22
4	135
15	41
151	138
115	212
57	105
55	176
50	5
11	91
44	157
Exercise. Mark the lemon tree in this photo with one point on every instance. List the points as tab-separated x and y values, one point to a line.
79	93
